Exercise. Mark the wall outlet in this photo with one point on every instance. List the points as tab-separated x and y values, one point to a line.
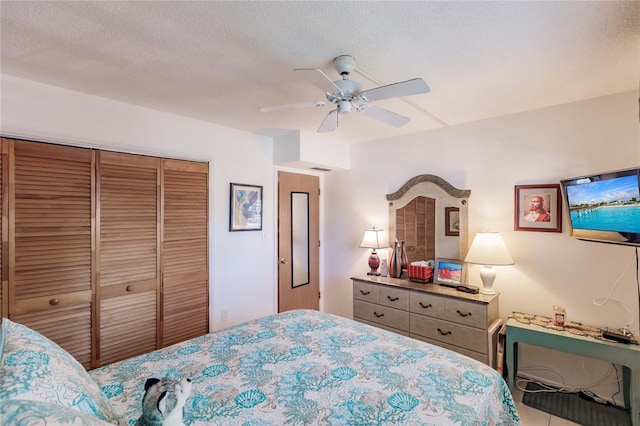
224	316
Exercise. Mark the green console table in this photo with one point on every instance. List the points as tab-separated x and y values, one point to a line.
577	339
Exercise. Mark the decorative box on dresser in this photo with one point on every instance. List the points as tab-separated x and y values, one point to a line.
465	323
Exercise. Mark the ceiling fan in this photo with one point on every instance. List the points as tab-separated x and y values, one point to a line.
347	95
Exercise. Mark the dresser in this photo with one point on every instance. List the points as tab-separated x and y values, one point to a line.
465	323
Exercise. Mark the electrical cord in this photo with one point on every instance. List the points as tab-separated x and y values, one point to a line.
626	330
564	387
613	397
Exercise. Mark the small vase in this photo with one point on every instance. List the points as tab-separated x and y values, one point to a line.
395	262
384	268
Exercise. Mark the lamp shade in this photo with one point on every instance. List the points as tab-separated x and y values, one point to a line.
488	248
374	239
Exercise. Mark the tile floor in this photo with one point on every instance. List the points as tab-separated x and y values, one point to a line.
532	417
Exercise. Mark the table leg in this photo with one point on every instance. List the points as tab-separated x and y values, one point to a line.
631	394
512	361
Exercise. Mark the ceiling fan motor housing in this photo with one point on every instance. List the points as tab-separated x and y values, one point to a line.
349	90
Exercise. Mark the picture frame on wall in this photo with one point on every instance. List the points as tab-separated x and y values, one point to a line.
538	208
245	207
452	221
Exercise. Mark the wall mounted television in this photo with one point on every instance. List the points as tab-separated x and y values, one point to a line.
604	207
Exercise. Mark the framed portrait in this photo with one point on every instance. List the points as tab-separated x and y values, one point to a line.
538	208
452	221
449	272
245	207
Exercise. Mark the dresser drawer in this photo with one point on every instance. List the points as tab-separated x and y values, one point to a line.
467	313
383	327
471	354
364	291
394	298
454	334
426	304
383	315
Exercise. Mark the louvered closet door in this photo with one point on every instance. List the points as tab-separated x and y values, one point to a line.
4	228
50	263
128	255
185	272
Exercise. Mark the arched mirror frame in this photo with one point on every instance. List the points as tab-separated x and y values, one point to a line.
445	194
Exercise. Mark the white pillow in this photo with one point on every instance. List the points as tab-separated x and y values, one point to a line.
34	368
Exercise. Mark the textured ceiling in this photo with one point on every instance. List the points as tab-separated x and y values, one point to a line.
221	61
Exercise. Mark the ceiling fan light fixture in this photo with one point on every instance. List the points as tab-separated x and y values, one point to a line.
344	107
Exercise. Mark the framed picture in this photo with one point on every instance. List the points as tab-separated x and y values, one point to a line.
245	207
538	208
452	221
449	272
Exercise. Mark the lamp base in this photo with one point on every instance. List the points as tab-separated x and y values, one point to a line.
488	275
374	263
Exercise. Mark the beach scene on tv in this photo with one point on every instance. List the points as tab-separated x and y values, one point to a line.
607	205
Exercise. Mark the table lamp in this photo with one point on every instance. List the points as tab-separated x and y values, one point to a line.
374	239
488	249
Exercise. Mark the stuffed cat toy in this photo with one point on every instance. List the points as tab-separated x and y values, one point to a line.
163	402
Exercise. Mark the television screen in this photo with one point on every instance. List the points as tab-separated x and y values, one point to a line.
605	207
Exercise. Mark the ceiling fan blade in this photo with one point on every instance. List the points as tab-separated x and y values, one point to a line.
298	105
319	78
330	122
396	90
386	116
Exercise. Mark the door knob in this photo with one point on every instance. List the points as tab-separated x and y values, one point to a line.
284	261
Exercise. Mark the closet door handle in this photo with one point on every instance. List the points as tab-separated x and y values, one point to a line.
468	314
444	333
377	314
393	299
425	306
54	302
364	293
129	288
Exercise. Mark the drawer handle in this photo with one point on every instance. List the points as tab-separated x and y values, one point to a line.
364	293
129	288
425	306
468	314
444	333
377	314
393	299
54	302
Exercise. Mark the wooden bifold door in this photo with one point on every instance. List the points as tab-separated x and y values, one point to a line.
104	253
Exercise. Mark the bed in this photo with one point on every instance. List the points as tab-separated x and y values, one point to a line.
298	367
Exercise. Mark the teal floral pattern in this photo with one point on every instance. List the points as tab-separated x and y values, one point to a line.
34	368
307	367
20	412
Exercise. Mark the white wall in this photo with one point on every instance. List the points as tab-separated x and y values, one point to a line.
241	263
490	157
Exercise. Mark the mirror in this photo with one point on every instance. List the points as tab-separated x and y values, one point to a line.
299	238
418	213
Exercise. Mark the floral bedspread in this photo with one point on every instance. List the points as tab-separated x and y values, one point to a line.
308	367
